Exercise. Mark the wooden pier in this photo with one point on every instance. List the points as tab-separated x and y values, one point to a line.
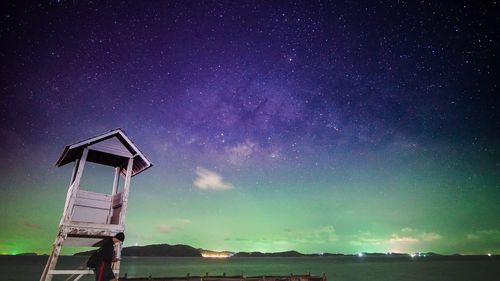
291	277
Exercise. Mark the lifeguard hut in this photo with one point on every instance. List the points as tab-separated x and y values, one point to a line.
88	216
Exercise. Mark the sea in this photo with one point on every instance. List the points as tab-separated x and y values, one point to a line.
336	268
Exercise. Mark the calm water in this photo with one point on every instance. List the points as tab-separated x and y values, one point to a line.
16	268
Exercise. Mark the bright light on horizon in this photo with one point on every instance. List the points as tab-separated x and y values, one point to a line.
216	255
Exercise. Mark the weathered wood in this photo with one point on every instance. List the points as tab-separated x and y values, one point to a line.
90	226
92	229
126	188
91	213
96	196
112	146
116	181
70	198
117	199
73	174
54	256
107	144
114	191
93	203
118	255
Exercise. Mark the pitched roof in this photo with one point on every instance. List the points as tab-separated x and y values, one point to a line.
112	149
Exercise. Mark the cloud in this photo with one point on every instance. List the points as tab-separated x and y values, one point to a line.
395	238
207	179
183	220
365	238
472	236
290	238
407	230
163	228
482	234
430	236
410	235
326	233
485	241
406	236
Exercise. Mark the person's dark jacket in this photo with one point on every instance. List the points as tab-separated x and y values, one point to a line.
107	251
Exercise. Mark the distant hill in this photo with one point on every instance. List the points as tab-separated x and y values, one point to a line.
163	250
166	250
333	255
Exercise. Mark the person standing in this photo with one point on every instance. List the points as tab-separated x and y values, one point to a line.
108	255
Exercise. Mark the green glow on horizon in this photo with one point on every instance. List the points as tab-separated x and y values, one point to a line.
407	212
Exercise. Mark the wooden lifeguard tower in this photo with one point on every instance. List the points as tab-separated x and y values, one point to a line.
88	217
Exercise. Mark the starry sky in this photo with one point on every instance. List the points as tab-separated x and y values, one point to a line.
317	126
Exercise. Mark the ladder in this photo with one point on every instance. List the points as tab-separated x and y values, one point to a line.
50	268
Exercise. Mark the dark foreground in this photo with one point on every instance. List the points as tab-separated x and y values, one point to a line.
480	268
231	278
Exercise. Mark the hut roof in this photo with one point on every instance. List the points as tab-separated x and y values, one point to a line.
112	149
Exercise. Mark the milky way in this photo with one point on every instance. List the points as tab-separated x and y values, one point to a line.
311	125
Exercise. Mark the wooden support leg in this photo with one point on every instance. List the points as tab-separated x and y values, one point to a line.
54	256
46	269
116	265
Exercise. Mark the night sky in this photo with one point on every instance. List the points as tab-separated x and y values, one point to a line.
314	126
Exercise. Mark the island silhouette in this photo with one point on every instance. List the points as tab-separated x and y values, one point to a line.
180	250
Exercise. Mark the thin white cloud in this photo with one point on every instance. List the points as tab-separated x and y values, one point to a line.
183	220
472	236
364	239
430	236
405	236
395	238
327	233
407	230
207	179
410	235
481	234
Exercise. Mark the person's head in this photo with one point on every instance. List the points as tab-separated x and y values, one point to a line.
119	237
